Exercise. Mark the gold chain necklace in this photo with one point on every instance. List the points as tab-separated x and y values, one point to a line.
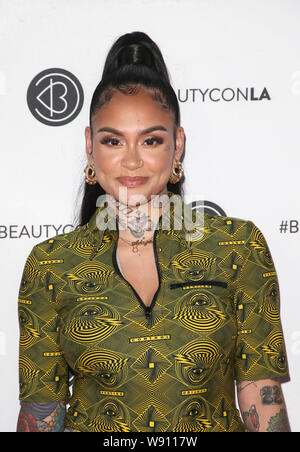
136	243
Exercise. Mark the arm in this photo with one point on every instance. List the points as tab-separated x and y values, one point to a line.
41	417
262	406
42	405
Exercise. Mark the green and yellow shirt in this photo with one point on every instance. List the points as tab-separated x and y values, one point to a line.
171	367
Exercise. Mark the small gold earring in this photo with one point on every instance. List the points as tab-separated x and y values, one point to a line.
177	173
90	175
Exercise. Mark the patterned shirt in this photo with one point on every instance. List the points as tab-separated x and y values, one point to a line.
171	367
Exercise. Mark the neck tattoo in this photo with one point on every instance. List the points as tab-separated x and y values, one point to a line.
137	223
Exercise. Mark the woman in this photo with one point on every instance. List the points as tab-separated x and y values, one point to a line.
156	323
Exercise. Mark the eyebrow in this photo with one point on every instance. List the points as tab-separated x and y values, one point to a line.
143	132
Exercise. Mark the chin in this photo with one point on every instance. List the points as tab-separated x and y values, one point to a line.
134	199
131	196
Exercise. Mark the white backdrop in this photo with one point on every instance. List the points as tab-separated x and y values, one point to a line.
242	155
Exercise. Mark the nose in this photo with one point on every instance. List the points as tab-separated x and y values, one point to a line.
132	159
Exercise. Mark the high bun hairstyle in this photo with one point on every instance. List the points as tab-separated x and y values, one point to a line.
134	62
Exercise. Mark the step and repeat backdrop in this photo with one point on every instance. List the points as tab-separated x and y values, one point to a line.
235	66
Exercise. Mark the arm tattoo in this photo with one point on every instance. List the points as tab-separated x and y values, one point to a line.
279	422
251	419
41	417
243	385
271	395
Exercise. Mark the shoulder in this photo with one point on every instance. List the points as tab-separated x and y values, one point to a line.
229	226
239	232
220	227
59	242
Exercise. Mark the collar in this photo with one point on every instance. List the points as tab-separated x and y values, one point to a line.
176	218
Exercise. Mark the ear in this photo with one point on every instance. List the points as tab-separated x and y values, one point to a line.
179	143
88	144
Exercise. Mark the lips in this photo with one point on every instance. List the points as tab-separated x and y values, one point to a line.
132	181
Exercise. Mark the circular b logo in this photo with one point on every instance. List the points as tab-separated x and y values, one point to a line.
208	207
55	97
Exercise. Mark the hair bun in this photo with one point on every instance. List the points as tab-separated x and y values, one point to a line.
135	48
135	53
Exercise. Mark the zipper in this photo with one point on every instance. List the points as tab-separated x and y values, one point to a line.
147	309
197	283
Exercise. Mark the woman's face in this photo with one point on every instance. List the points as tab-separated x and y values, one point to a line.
133	136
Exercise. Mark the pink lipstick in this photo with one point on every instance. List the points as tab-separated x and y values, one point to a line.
132	182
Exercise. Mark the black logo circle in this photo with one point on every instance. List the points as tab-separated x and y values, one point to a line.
208	207
55	97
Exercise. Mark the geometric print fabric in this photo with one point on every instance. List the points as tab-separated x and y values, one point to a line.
214	319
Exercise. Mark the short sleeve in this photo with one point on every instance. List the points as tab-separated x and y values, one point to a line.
43	371
260	347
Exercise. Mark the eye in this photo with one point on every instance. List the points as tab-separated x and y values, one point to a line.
111	141
110	412
200	302
107	376
23	320
89	284
194	272
153	140
197	371
89	312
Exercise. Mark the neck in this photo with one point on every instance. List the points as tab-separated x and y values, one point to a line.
138	222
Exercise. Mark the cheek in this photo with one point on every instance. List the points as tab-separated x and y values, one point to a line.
105	163
161	163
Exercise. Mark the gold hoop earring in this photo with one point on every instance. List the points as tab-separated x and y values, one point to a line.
90	175
177	173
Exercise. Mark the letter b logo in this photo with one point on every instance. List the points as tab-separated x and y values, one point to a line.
55	97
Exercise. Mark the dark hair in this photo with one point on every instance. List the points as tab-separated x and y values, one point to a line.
134	62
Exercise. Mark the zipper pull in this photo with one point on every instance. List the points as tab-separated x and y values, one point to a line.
148	312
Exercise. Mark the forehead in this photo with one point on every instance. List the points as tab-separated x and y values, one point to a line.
133	111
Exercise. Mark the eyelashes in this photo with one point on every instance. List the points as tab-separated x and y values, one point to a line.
153	140
112	141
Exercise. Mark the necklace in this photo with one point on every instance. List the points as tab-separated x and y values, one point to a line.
135	244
